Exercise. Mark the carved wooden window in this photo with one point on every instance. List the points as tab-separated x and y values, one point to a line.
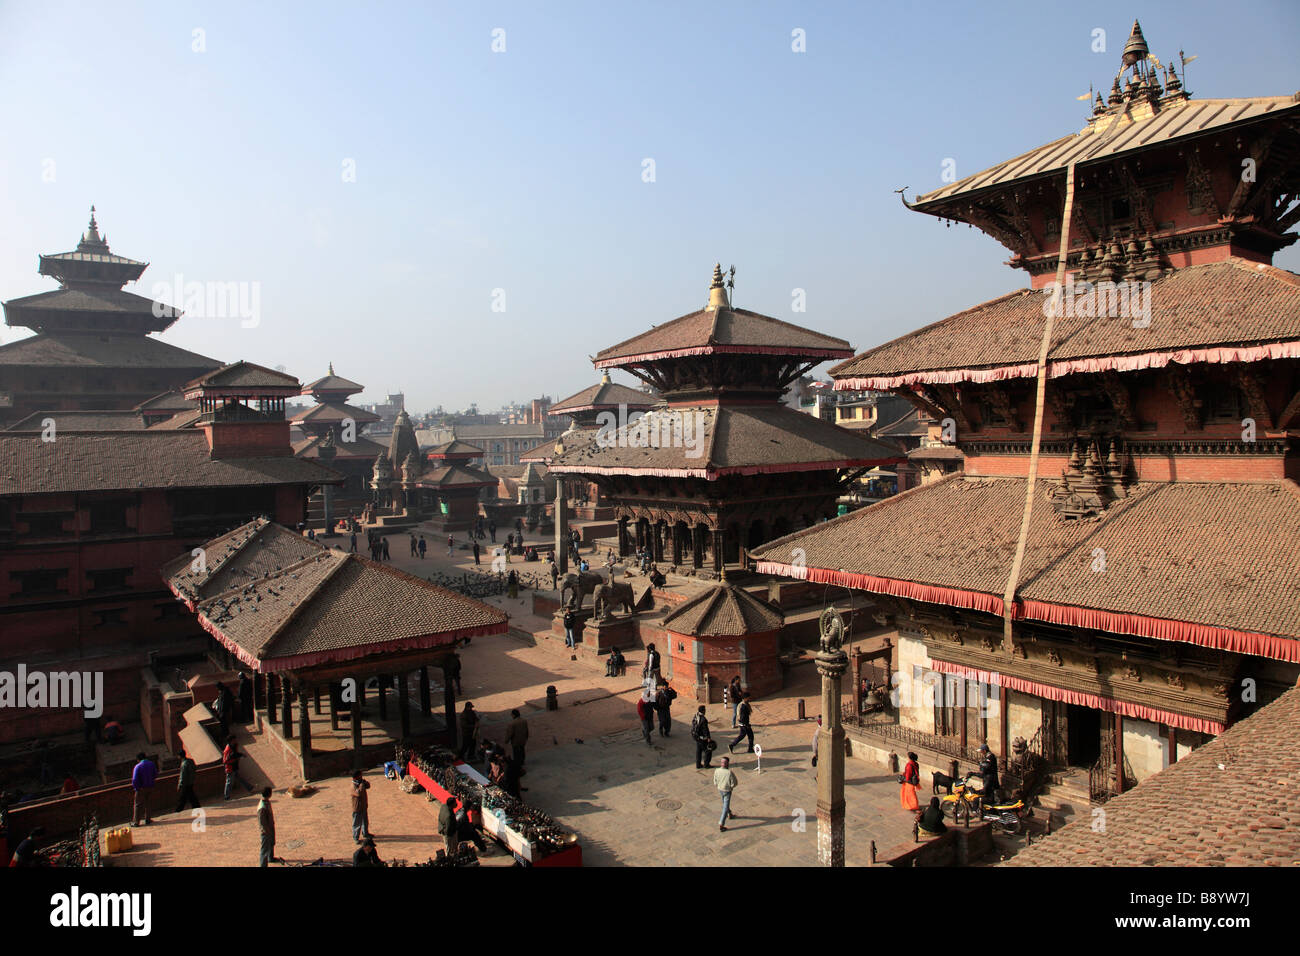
1224	404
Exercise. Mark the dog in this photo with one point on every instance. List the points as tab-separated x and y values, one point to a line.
942	780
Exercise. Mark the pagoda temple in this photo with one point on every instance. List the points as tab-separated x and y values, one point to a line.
92	348
332	417
584	411
723	464
1112	579
450	485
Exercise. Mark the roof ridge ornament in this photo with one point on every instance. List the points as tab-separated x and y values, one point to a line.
718	289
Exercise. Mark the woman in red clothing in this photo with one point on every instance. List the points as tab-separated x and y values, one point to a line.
910	780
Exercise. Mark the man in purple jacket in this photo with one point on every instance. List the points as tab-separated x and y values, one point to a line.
142	781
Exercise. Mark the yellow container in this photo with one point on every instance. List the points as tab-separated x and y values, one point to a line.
119	840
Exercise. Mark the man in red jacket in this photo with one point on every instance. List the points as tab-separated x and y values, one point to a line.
646	711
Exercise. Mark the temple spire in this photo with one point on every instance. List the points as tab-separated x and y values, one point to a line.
1136	47
717	291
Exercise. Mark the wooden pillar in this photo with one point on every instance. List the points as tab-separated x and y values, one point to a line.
272	685
719	536
1119	753
1003	721
677	545
404	705
382	692
697	547
286	712
961	711
361	691
425	705
259	690
855	670
304	723
622	538
449	710
1173	745
658	536
640	535
335	702
356	728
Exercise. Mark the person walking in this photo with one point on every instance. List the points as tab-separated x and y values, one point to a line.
360	807
354	542
555	575
476	552
451	546
651	666
663	707
230	758
492	530
143	776
646	712
266	827
185	783
568	628
700	734
517	738
414	549
817	733
734	693
726	782
512	583
423	547
468	732
222	708
909	781
385	556
447	826
745	729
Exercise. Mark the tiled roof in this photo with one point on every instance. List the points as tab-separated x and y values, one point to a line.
113	420
363	447
333	412
456	447
724	611
545	452
114	301
1230	802
186	419
1173	122
725	439
723	331
243	374
910	425
604	395
333	383
323	607
471	432
1219	304
452	474
105	350
1217	554
157	458
167	402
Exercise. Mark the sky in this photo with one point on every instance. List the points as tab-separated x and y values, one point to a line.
470	224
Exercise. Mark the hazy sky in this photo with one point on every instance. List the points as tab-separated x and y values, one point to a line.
524	170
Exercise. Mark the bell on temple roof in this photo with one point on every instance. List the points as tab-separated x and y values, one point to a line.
1136	47
717	291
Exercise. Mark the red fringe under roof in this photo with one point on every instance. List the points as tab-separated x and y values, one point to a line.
1108	363
1138	711
723	350
1139	625
709	474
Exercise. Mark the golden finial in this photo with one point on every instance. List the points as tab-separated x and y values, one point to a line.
718	290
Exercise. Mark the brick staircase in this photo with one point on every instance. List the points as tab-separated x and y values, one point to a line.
1065	796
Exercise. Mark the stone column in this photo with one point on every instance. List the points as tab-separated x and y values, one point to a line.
831	664
718	550
561	529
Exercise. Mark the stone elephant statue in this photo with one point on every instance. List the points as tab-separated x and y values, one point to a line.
581	584
607	596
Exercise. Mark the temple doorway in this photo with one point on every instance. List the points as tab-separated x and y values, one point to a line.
1083	735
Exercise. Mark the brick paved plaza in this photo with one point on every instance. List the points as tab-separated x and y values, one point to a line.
630	804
